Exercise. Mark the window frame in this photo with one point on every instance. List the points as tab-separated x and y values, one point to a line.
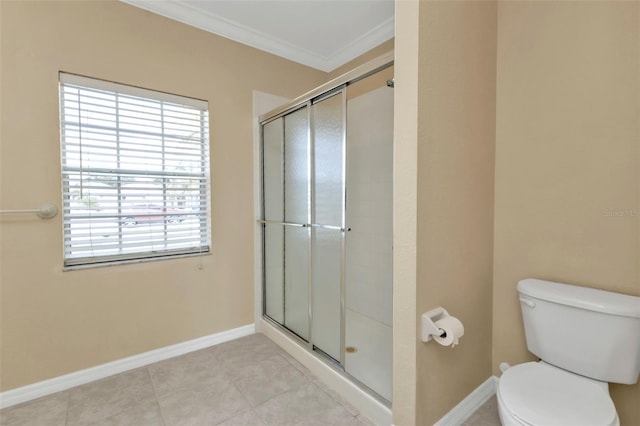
129	252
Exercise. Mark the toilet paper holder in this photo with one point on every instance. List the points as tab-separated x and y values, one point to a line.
429	329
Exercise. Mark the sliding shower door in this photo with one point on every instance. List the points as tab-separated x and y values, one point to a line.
327	235
273	212
369	213
296	217
287	218
327	226
304	197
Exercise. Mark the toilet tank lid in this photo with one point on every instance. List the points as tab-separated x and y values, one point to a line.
581	297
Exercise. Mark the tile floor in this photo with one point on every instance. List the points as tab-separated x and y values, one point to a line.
248	381
486	415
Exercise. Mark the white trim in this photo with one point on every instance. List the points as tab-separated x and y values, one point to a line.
110	86
470	404
210	22
376	36
60	383
367	405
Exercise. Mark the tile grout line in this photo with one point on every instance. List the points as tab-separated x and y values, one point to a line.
155	394
297	365
66	413
312	379
240	412
282	393
349	409
216	358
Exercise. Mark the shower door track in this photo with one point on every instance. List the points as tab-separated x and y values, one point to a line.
326	359
363	71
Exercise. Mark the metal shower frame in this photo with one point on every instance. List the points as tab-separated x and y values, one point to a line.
337	86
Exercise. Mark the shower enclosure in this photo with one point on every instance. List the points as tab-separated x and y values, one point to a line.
327	223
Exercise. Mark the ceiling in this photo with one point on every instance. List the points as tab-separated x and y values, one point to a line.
323	34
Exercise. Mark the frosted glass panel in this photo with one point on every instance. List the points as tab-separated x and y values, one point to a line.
368	292
329	156
273	138
296	270
370	204
296	167
274	271
326	276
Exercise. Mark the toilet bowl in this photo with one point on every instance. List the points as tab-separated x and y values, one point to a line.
536	393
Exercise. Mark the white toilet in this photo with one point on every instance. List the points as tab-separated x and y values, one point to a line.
584	338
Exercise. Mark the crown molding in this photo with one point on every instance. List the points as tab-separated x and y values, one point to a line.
367	41
207	21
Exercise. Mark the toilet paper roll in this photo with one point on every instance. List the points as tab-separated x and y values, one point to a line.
453	328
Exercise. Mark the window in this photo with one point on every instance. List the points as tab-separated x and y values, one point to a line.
135	173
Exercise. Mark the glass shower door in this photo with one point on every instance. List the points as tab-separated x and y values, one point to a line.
327	237
273	231
369	247
327	226
286	219
304	202
297	218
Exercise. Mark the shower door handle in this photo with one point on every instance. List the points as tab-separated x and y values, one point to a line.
337	228
274	222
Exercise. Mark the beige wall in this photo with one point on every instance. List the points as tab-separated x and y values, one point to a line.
567	151
566	81
379	50
456	135
55	322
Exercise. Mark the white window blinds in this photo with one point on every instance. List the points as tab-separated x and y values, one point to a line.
135	173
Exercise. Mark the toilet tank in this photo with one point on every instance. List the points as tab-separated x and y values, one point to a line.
594	333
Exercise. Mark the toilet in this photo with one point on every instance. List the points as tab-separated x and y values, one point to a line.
585	338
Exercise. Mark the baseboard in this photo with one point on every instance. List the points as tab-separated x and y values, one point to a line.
57	384
470	404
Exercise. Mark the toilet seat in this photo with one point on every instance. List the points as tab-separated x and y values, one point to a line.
536	393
